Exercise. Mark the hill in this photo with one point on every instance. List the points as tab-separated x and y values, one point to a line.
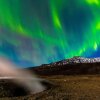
73	66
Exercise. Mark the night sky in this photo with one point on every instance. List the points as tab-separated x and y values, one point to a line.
34	32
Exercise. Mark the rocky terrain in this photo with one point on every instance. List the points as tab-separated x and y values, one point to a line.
73	66
74	60
79	87
77	78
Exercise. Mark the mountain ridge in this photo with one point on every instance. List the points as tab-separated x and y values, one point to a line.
75	59
72	66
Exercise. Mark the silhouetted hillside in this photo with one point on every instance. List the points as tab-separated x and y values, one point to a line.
74	66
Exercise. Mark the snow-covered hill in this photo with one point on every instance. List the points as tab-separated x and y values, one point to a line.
75	60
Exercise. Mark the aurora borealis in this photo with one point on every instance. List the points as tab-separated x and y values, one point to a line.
34	32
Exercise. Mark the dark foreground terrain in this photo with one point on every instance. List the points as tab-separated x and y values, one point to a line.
72	81
83	87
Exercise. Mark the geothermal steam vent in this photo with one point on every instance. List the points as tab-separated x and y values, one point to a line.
17	82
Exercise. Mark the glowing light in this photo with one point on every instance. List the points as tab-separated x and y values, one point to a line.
93	2
39	32
95	46
55	16
56	20
98	26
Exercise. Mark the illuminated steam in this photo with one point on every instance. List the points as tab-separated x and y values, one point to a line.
22	77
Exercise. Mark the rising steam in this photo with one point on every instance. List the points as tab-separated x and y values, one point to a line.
22	77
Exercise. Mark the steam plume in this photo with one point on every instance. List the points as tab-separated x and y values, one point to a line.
22	77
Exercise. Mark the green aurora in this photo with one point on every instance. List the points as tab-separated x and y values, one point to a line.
33	32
